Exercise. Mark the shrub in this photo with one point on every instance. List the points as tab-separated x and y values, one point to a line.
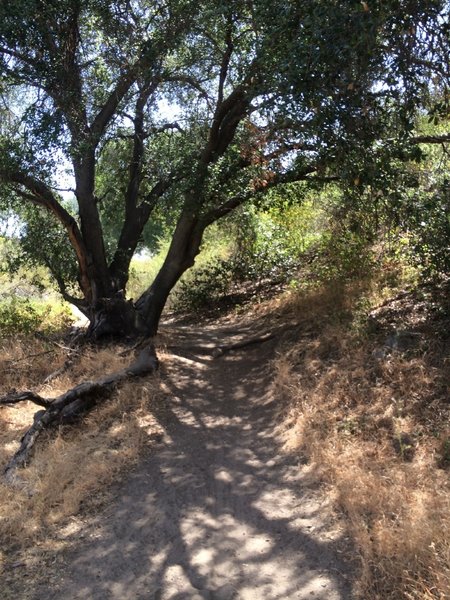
24	316
205	286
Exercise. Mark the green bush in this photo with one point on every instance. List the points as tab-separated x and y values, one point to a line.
427	219
342	255
205	286
24	316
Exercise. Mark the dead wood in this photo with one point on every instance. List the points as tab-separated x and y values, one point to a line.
221	350
16	397
258	339
69	406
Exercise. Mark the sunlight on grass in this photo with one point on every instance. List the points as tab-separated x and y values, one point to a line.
375	427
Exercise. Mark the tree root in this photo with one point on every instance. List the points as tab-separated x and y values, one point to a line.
221	350
69	406
258	339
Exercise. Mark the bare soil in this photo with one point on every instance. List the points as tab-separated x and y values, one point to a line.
219	509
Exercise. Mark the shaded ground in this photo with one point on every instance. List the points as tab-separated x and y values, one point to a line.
218	510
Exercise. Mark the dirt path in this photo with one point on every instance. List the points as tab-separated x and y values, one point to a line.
218	511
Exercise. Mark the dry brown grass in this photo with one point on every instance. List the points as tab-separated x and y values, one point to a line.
376	425
73	466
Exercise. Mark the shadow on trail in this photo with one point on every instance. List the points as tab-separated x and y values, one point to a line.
216	512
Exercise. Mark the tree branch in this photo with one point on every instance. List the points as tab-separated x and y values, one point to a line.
225	62
39	193
190	81
431	139
265	184
135	170
108	110
16	397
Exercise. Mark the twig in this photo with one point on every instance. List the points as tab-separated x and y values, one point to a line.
18	360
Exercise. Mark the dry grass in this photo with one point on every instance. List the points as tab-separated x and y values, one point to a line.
376	425
72	467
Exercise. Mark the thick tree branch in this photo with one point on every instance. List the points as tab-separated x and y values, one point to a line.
39	193
225	62
135	171
108	110
262	185
431	139
228	115
131	231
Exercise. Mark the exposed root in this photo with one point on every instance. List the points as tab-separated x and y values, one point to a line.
221	350
258	339
70	405
16	397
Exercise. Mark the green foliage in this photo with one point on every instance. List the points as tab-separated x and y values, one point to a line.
25	316
263	93
255	245
428	219
342	255
40	244
206	285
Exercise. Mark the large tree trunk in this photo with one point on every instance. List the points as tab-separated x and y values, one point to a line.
115	316
183	249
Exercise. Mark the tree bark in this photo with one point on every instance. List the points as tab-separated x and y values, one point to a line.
183	249
72	404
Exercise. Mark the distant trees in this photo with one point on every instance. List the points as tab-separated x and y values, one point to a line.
262	93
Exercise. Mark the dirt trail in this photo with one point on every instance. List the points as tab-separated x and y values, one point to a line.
217	511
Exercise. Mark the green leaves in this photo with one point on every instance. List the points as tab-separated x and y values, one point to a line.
262	92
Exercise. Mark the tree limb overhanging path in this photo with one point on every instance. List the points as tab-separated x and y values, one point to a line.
218	510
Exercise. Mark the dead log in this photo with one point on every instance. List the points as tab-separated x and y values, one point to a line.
257	339
69	406
220	350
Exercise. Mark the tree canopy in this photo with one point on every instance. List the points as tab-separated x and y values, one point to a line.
190	109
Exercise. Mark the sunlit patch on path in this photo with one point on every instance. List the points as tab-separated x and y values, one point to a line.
218	511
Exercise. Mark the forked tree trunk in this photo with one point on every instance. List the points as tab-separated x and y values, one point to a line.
118	317
183	249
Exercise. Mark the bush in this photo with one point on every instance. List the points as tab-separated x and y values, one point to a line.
23	316
205	286
428	220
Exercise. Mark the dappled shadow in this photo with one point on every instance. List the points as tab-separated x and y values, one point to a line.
218	510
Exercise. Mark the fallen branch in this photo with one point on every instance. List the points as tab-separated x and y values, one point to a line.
70	405
221	350
16	397
259	339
